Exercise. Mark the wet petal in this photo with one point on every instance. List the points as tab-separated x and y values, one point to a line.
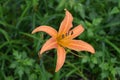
51	31
66	23
61	55
80	45
50	44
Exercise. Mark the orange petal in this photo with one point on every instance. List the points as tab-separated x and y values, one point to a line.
75	32
80	45
50	44
51	31
61	55
66	23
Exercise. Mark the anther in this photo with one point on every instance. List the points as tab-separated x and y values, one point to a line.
71	32
62	35
66	34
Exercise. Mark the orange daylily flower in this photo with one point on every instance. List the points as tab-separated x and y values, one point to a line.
64	38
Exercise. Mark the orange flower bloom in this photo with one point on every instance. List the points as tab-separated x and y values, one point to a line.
64	38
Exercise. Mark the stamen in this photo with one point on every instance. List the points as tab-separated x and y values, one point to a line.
71	32
67	34
63	36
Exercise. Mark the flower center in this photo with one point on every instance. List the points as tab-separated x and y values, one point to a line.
64	38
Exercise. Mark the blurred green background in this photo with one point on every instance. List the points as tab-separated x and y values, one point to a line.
19	48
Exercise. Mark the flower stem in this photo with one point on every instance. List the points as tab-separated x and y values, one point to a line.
80	73
75	54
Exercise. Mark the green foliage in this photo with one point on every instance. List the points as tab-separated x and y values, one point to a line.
19	48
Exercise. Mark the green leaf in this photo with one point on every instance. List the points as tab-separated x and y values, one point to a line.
28	62
61	5
5	34
115	10
97	21
90	32
119	3
118	70
33	77
35	3
104	74
13	65
113	45
104	66
113	71
88	23
16	54
71	72
85	59
9	78
19	71
79	8
94	60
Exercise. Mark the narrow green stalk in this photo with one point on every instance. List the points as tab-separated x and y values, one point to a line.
80	72
75	54
77	69
112	45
